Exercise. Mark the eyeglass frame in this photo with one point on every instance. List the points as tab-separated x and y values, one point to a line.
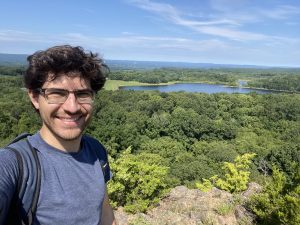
42	91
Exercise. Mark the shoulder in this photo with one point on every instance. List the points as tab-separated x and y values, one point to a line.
11	155
8	180
99	150
8	166
7	158
15	158
95	146
92	142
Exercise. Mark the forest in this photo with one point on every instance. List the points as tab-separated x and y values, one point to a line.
283	79
157	141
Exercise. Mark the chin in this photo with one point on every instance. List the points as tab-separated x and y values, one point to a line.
70	135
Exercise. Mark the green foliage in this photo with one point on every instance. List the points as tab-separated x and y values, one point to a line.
217	151
279	82
236	175
16	114
165	75
286	158
192	134
139	181
166	147
12	70
188	168
205	186
279	202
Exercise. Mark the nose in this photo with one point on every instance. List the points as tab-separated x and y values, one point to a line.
71	105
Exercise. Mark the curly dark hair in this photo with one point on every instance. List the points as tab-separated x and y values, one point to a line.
65	59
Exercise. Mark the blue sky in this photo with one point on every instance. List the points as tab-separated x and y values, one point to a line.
256	32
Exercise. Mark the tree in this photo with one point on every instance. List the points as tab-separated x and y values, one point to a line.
166	147
237	174
279	202
286	158
188	168
139	181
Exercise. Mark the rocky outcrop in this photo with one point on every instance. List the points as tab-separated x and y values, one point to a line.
186	206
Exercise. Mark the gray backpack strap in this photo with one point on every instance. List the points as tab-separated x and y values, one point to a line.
14	214
29	182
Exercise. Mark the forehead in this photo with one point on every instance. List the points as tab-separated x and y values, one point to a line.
67	81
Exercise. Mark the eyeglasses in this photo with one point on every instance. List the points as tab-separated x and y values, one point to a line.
59	96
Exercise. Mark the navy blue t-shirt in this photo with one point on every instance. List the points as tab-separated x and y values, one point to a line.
72	184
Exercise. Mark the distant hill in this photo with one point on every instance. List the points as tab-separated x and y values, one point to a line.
12	59
20	59
130	64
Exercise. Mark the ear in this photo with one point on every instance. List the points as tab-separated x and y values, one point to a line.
34	98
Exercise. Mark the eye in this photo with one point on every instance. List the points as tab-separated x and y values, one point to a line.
84	94
56	93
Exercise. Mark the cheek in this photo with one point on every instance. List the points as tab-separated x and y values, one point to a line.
87	108
46	110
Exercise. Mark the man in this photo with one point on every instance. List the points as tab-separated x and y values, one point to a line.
62	82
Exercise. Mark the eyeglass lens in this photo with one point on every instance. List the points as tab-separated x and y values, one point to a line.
55	96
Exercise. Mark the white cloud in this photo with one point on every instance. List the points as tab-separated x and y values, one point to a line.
159	8
13	35
163	48
233	34
227	24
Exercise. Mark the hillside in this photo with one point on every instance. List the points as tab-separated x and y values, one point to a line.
163	141
20	59
12	59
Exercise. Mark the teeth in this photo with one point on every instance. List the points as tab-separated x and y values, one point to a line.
70	119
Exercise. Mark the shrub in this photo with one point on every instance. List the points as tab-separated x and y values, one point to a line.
237	174
139	181
279	202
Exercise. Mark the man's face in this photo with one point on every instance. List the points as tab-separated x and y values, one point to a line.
64	121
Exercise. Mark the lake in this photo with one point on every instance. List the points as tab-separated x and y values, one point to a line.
196	87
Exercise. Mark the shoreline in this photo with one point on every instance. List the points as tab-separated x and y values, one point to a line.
120	83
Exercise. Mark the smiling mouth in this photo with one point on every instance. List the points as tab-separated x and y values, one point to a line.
74	119
70	120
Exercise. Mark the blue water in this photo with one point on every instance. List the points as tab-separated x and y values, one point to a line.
196	87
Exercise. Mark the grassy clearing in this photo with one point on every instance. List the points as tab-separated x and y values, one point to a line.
113	85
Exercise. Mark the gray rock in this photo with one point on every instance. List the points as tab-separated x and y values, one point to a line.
186	206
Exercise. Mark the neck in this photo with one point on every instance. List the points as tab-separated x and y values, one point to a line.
61	144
